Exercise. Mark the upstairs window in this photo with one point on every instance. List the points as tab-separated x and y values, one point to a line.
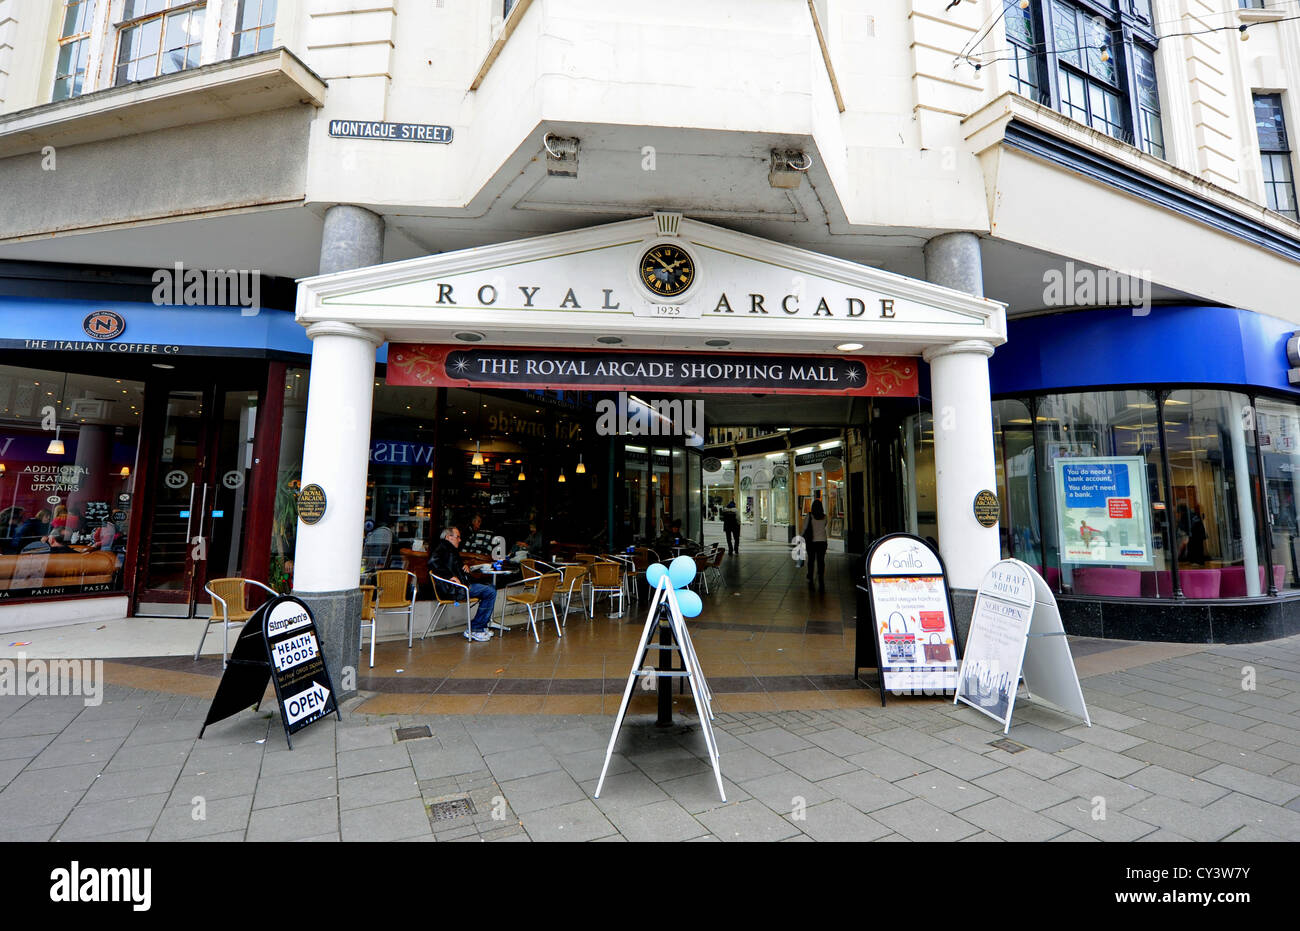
254	26
158	37
74	48
1275	155
1093	60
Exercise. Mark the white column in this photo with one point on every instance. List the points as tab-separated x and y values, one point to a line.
335	456
1241	480
963	457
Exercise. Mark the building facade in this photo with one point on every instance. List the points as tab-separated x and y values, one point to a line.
1074	220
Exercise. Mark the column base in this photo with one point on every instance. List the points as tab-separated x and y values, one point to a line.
338	621
963	607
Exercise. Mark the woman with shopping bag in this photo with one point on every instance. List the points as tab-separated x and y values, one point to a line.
814	533
798	551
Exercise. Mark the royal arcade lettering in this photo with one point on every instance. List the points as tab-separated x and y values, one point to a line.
533	298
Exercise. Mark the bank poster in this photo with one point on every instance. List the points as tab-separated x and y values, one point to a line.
1104	515
995	646
914	635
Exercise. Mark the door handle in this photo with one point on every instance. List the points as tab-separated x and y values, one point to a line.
203	508
189	516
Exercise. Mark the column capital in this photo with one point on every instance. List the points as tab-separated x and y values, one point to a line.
977	346
338	328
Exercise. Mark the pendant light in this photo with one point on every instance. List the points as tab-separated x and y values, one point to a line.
56	445
521	470
477	475
581	469
478	456
430	475
561	480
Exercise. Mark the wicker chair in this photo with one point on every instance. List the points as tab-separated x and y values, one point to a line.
441	603
538	600
573	577
607	578
392	587
228	609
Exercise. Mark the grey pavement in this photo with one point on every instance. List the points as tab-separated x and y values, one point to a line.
1180	749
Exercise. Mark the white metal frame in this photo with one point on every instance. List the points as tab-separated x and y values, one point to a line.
409	610
440	606
227	624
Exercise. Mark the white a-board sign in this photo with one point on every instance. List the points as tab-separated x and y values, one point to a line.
911	616
1016	629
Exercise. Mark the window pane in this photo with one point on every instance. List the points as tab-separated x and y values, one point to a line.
1020	23
1013	437
1278	424
62	89
1099	47
1213	467
1065	33
1144	64
1269	122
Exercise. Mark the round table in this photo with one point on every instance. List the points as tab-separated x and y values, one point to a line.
485	568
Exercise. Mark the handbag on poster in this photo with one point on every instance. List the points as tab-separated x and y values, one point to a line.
931	621
899	647
936	651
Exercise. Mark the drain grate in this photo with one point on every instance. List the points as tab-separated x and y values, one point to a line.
1005	743
451	809
414	733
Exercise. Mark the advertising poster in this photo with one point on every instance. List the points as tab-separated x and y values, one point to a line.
914	636
995	647
1103	509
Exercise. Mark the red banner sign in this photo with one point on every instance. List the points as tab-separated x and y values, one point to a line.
634	370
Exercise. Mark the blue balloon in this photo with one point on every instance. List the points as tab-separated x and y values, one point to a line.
681	571
654	573
689	602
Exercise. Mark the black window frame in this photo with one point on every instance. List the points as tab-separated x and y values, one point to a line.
1129	24
1282	149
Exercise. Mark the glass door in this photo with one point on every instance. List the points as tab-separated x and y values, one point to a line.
197	507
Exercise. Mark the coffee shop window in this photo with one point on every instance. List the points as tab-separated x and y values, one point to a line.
68	446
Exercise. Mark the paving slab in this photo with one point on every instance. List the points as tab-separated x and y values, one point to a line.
1012	822
1197	823
943	790
837	821
657	821
1083	816
96	820
544	790
193	822
377	788
1025	790
815	763
783	792
396	820
296	821
575	821
747	821
918	820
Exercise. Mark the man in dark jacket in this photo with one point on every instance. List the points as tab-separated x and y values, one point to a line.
731	526
445	562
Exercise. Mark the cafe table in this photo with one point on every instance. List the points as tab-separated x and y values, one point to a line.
486	569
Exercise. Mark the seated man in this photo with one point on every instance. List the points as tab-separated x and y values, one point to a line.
445	561
671	537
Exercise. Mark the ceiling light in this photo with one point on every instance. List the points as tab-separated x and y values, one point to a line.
831	445
581	469
163	365
787	167
717	343
477	460
609	340
468	336
849	347
561	479
802	450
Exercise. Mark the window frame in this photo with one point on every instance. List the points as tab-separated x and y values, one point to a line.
83	39
1285	154
1128	25
236	32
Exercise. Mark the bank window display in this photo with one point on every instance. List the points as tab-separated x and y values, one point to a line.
1278	431
68	447
1101	494
1212	466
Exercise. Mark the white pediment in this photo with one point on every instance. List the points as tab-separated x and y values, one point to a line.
570	287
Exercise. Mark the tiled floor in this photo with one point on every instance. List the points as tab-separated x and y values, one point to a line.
766	642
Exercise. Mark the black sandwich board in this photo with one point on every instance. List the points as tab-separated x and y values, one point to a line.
279	642
906	629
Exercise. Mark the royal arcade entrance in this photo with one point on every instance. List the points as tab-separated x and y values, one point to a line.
662	306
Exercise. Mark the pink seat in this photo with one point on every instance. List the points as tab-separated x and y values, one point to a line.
1052	578
1232	581
1200	583
1101	581
1158	580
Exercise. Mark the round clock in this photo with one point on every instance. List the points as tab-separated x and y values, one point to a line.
666	270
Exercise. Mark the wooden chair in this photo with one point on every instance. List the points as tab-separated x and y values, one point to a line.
537	600
228	609
392	586
441	603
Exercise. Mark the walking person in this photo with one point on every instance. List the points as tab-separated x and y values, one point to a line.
731	526
814	534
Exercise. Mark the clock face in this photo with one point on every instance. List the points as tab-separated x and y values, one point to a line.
666	270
